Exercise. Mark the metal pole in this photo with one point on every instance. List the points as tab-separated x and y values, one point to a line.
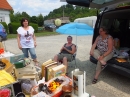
63	13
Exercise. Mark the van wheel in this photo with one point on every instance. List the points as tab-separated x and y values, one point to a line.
0	39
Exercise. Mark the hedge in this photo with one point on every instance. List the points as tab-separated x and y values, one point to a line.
35	26
14	26
5	26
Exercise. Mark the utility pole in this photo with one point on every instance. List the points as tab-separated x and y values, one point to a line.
63	13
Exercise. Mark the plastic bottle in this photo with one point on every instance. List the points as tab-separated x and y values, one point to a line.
117	43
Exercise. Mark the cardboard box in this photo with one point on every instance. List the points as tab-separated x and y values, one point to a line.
44	64
30	76
25	71
46	69
58	71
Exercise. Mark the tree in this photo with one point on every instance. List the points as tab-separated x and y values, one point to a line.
24	14
34	19
18	16
40	20
12	18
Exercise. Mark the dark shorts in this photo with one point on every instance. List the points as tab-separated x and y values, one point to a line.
68	56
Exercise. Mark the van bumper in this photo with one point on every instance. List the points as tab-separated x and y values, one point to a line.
114	67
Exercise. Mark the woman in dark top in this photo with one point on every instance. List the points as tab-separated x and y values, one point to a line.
66	52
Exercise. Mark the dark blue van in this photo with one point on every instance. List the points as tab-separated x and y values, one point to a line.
117	21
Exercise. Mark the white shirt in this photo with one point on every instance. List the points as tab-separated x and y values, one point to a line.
26	37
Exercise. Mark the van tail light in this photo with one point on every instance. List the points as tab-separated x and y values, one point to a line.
4	30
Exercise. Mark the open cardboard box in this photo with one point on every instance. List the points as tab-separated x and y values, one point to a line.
58	91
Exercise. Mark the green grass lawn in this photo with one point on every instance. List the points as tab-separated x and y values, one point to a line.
39	34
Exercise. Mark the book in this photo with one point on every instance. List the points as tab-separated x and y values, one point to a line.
49	69
45	69
44	64
58	71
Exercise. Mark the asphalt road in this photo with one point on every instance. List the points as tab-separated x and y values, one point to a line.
109	84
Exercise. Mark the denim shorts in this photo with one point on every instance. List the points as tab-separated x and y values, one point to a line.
32	52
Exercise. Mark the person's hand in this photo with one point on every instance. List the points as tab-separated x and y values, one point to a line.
100	58
91	53
35	44
20	47
64	48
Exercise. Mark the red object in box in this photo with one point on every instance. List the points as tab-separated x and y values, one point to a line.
58	94
1	51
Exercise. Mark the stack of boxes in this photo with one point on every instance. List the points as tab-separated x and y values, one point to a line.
51	69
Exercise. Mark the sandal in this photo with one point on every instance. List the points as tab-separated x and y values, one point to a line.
94	81
103	66
36	63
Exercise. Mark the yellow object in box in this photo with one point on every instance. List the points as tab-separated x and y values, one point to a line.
58	71
43	66
9	66
5	78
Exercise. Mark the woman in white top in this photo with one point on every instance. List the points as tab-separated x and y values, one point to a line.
104	51
26	40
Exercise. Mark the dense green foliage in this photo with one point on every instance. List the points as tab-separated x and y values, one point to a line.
71	11
39	34
5	26
35	26
16	17
67	10
14	26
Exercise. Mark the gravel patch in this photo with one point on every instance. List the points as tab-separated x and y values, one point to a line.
109	84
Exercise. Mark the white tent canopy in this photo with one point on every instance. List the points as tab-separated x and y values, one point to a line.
87	20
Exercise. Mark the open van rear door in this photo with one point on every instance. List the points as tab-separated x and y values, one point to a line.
99	4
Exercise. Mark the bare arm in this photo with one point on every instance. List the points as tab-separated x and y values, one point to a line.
34	39
62	48
18	40
93	46
110	47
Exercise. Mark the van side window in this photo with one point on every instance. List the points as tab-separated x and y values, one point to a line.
129	25
105	22
115	26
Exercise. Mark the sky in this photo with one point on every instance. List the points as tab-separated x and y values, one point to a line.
35	7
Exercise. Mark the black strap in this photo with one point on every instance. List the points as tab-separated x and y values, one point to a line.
70	46
65	44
